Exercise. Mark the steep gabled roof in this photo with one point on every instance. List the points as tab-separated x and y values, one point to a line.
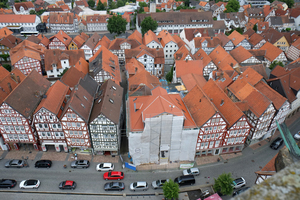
93	40
182	53
201	55
133	66
255	39
27	95
63	37
72	77
5	32
82	65
54	98
240	54
143	78
184	67
271	35
236	37
108	102
222	59
149	37
272	52
199	105
191	80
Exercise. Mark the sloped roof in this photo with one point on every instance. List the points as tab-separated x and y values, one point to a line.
271	35
255	39
199	105
236	37
296	44
72	77
82	65
149	37
93	40
25	5
115	44
5	32
224	39
251	76
80	39
136	35
141	50
143	78
54	56
109	102
259	68
272	52
105	60
182	53
166	38
133	66
191	80
228	110
63	37
45	41
8	18
184	67
28	94
201	55
160	102
54	98
240	54
34	39
10	41
222	78
103	42
271	94
61	18
22	52
179	41
222	59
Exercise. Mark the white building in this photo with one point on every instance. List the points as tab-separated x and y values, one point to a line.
20	23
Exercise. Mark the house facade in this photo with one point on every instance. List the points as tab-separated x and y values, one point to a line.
97	22
62	21
23	8
20	23
60	40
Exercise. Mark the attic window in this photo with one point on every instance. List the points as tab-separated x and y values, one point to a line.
111	101
99	100
85	97
82	105
113	87
113	74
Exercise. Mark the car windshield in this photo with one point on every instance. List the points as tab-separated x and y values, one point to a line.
134	184
189	171
101	165
157	182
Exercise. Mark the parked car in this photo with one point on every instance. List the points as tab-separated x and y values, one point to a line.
14	163
114	175
43	164
140	185
297	136
185	180
7	183
71	185
191	171
158	184
105	167
30	184
80	164
276	143
114	186
238	183
240	191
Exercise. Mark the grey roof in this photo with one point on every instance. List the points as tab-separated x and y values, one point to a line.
26	97
89	84
276	21
108	102
95	66
93	40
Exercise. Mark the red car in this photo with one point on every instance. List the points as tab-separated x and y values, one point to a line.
113	175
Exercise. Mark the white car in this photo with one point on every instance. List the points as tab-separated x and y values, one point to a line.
297	136
191	171
105	167
30	184
140	185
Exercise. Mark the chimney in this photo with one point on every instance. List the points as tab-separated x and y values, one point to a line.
4	32
54	53
13	76
135	69
18	79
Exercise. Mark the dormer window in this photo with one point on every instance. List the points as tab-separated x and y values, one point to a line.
53	65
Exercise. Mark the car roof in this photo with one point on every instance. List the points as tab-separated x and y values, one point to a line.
239	180
141	183
106	164
15	161
83	161
69	182
115	172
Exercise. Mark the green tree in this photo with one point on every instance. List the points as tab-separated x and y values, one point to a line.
288	29
120	3
116	24
215	18
255	28
91	3
223	184
100	6
232	6
187	3
275	63
32	12
65	70
289	3
169	75
171	189
7	67
113	5
143	4
148	24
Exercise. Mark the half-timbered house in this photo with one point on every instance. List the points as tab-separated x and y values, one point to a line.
46	118
17	111
243	56
208	64
60	41
90	45
103	42
239	40
106	119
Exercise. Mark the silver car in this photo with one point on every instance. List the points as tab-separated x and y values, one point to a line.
191	171
15	163
80	164
138	186
158	184
297	136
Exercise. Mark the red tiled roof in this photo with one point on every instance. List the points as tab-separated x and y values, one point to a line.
133	66
9	18
272	51
137	36
201	55
5	32
82	65
191	80
240	54
222	59
142	78
184	67
149	37
63	37
72	77
236	37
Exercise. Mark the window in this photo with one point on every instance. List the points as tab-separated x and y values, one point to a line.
71	132
80	133
61	134
48	134
76	133
19	119
56	134
8	119
78	124
13	119
73	116
58	126
43	134
3	119
46	125
73	124
54	125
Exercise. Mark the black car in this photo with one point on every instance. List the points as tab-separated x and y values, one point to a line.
276	143
43	164
7	183
117	186
240	191
71	185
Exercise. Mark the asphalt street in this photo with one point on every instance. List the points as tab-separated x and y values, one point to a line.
90	182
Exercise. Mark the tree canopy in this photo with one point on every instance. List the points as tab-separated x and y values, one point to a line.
91	3
275	63
148	24
143	4
120	3
170	189
223	184
169	75
100	6
232	6
116	24
289	3
255	28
